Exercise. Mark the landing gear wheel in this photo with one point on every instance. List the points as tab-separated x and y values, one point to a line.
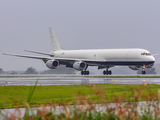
109	72
106	72
84	72
87	72
143	72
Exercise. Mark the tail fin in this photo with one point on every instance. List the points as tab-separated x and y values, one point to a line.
54	43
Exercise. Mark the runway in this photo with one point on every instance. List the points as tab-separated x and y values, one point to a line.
66	80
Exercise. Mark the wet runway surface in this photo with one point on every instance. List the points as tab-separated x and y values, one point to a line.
63	80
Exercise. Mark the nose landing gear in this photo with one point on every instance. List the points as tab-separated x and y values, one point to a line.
143	70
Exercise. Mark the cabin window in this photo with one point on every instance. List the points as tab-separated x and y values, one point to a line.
147	54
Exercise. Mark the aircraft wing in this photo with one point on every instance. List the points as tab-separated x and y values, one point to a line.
63	61
28	56
52	55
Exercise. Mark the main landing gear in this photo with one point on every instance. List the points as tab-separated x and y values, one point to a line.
143	70
106	72
85	72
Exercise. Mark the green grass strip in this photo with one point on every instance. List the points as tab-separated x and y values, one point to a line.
14	96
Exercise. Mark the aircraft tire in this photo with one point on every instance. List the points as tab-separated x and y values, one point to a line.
143	72
87	72
109	72
104	72
82	72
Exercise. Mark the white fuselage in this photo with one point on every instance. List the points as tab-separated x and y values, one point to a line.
110	56
103	58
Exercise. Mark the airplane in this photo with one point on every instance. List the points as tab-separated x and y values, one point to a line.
134	58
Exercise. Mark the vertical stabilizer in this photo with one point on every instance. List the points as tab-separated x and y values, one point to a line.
54	42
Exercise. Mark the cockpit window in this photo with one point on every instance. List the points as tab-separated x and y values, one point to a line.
148	54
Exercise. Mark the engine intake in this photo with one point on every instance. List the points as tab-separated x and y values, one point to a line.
80	65
52	64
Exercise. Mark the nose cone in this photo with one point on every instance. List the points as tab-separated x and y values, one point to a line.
152	59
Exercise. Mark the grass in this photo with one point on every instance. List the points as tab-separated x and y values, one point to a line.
14	96
84	99
42	94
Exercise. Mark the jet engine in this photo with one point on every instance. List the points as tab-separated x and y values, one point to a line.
134	67
52	64
80	65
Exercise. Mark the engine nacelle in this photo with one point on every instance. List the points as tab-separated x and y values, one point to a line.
134	67
80	65
52	64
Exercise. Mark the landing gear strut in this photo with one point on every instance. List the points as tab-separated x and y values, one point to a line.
143	69
106	72
85	72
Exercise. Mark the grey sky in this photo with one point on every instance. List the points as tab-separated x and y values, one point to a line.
83	24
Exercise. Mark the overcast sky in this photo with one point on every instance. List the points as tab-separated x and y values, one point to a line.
83	24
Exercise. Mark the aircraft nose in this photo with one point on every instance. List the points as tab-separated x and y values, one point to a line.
153	59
